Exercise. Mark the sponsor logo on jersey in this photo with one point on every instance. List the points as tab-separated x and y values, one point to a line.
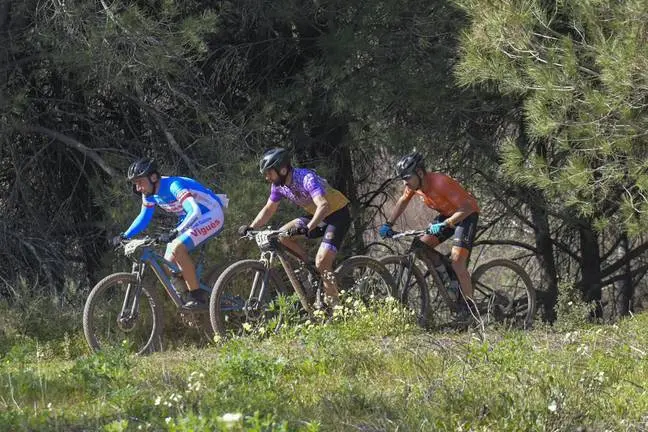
207	229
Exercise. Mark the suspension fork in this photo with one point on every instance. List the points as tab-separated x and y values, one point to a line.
266	259
138	270
408	267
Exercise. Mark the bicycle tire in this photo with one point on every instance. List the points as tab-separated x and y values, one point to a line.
348	281
212	272
90	320
420	302
485	303
220	317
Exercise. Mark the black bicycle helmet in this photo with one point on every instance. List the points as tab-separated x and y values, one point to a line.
276	158
142	168
407	165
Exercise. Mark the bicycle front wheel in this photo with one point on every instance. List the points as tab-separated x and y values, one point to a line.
116	314
411	288
504	294
365	276
244	299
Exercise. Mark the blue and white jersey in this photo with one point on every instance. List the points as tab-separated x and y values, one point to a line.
185	197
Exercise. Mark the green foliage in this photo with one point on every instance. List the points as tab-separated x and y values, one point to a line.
371	370
97	370
578	77
572	312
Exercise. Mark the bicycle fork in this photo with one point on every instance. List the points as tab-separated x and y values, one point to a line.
403	292
128	312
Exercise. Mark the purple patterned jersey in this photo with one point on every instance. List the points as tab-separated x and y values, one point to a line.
305	186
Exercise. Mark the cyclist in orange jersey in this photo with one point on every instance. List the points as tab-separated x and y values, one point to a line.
458	213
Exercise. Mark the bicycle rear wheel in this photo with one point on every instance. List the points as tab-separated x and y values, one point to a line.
365	276
240	303
413	294
136	330
504	294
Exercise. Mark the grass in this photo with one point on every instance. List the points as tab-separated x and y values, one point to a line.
368	371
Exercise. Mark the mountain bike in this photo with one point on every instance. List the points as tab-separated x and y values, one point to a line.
503	291
124	309
247	294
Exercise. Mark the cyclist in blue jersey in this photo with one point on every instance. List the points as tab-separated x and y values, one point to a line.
327	208
200	213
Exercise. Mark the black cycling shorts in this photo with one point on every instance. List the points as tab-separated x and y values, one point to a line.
463	234
333	228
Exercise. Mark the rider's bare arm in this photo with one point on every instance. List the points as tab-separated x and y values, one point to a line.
265	214
321	211
190	205
399	208
465	210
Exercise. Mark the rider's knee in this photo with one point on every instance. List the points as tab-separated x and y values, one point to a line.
459	264
173	250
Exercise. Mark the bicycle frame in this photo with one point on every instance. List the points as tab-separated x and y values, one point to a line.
149	258
271	247
427	254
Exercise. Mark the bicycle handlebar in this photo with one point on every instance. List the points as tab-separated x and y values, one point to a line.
251	235
142	240
408	233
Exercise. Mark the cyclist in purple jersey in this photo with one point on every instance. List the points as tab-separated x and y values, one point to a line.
200	213
327	208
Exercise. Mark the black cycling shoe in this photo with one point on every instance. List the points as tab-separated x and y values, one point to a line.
197	299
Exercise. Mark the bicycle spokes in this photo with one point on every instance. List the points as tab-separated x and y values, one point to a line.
245	300
120	313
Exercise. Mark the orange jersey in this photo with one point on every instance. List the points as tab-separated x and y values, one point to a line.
443	194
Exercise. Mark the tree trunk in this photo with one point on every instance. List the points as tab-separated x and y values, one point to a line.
545	256
349	188
624	287
328	140
590	266
537	204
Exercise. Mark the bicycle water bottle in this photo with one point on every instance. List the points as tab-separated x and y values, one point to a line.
451	283
454	289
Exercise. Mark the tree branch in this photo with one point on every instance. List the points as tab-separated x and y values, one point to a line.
71	142
609	270
168	135
507	243
612	249
622	276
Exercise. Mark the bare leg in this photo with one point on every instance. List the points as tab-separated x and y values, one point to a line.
324	263
433	242
459	259
292	244
179	255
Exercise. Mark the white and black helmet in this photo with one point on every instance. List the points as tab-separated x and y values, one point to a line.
142	168
407	165
276	158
